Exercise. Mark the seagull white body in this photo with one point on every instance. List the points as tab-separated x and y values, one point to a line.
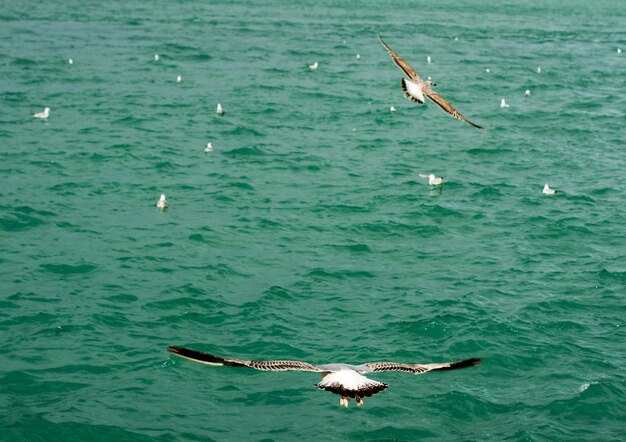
432	179
415	89
503	103
70	61
346	380
156	57
179	79
220	109
162	203
208	148
44	114
313	66
487	70
548	191
619	50
429	60
392	109
358	56
539	70
527	93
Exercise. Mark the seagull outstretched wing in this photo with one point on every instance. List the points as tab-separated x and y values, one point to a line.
401	63
205	358
448	108
421	368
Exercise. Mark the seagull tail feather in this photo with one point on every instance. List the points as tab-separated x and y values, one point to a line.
459	364
203	358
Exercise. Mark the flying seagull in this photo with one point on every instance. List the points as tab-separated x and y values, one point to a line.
415	88
343	379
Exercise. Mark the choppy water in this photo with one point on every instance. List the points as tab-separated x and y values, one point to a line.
308	233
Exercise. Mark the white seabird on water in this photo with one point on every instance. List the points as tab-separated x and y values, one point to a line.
358	56
70	61
503	103
527	93
432	179
179	79
487	70
539	70
415	88
619	50
343	379
44	114
162	203
392	109
220	109
313	66
208	148
156	57
429	60
548	191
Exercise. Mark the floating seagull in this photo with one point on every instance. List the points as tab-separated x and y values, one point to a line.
487	70
539	70
156	57
392	109
44	114
415	88
343	379
313	66
220	110
527	93
208	148
428	60
548	191
432	179
70	61
179	79
358	56
162	203
619	50
503	103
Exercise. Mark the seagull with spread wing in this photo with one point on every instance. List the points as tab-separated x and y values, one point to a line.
415	88
343	379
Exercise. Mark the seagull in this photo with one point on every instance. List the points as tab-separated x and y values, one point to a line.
619	50
503	103
343	379
179	79
415	88
527	93
392	109
432	179
487	70
42	115
162	203
313	66
220	110
70	61
429	60
548	191
539	70
156	57
208	148
358	56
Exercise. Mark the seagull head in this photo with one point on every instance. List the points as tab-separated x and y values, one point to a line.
46	110
431	176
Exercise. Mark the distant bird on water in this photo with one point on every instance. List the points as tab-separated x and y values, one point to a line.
156	57
343	379
208	148
548	191
432	179
70	61
503	103
313	66
179	79
415	88
162	203
220	109
527	93
43	115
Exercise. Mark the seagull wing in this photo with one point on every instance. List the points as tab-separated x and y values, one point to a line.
205	358
400	62
447	107
421	368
